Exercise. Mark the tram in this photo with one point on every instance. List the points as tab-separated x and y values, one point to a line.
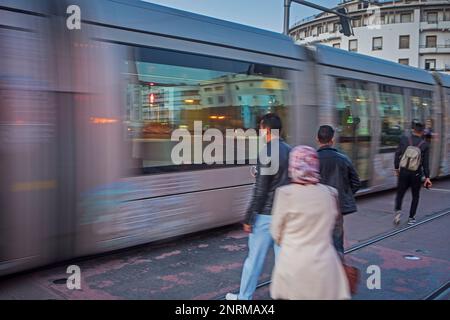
86	117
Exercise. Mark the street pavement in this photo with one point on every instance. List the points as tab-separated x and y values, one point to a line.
207	265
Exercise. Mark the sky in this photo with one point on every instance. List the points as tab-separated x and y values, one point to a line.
264	14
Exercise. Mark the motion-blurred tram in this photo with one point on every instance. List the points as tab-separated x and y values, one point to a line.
86	117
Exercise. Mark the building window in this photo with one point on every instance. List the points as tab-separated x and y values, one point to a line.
363	5
366	21
404	42
336	45
189	93
221	99
406	17
336	27
392	17
431	41
356	22
404	61
432	17
353	45
319	30
377	43
447	16
430	64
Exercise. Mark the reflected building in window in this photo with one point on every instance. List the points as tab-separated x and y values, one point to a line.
169	90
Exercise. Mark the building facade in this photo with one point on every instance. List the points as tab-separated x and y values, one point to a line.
412	32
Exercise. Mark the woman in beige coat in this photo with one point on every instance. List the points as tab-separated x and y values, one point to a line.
304	214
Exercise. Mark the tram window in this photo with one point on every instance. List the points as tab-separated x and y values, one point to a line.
422	111
353	99
392	114
172	90
421	106
353	111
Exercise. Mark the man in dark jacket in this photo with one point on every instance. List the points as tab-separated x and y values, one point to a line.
337	171
258	218
411	179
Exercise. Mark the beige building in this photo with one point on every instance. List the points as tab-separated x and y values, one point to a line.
413	32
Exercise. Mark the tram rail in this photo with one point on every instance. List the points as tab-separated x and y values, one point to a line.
436	215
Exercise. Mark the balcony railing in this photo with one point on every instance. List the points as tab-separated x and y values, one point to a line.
446	69
442	24
424	19
439	46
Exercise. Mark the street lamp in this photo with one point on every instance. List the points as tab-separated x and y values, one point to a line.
345	20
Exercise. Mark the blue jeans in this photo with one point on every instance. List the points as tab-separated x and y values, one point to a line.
259	243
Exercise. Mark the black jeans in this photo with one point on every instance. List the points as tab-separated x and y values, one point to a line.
408	179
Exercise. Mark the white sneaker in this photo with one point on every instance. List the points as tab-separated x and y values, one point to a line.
398	217
231	296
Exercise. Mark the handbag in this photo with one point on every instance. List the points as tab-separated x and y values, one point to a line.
353	277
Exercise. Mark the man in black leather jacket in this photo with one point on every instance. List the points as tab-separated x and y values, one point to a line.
258	218
337	171
265	185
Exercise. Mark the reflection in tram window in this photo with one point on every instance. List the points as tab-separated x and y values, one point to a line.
422	111
353	106
428	132
421	105
392	112
170	90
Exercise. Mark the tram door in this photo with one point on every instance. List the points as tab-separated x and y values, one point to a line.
353	124
424	111
390	122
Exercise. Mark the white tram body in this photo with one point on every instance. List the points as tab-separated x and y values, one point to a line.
86	118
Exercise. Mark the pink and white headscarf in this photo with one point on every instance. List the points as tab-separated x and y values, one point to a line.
304	165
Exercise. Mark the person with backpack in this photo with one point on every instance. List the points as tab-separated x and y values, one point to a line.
411	163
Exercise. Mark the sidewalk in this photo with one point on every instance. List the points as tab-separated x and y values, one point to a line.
208	265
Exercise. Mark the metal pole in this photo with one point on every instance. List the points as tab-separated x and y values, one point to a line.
287	12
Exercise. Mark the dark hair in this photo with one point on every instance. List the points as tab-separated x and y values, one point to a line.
271	121
418	126
325	134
